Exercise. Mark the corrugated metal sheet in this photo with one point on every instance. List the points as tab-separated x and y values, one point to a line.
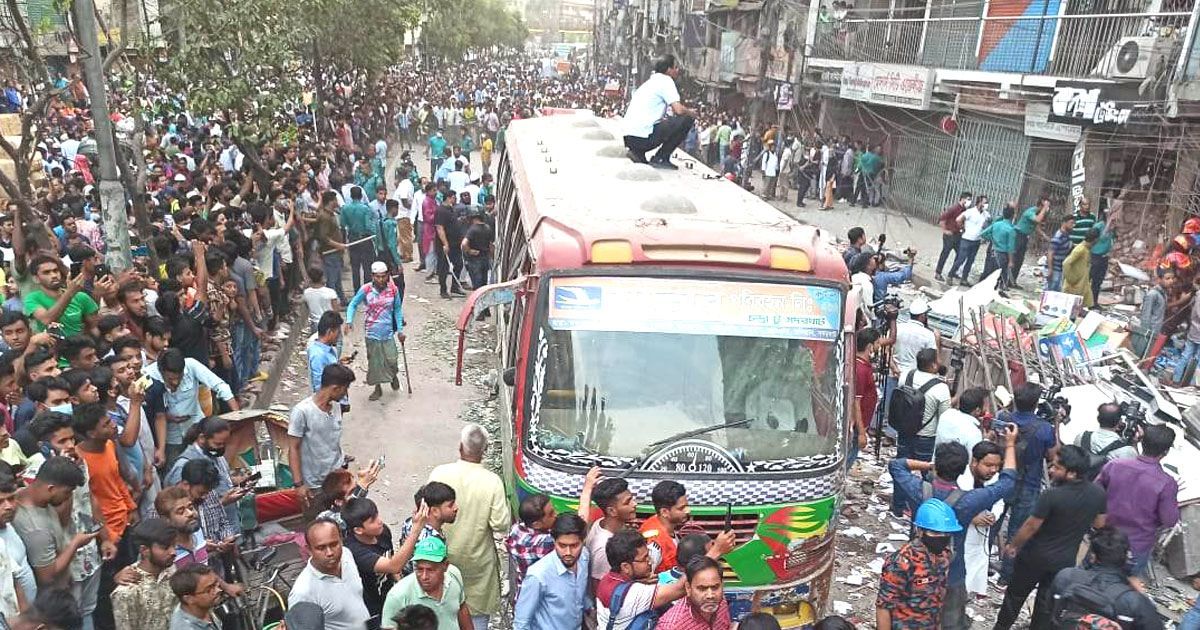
931	168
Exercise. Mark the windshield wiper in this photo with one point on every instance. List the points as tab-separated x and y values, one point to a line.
653	446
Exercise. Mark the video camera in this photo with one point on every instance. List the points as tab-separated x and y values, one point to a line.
1133	418
886	310
1053	407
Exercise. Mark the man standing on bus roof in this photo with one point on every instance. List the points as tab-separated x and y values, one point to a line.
647	125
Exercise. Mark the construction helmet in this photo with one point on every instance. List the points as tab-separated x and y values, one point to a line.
936	516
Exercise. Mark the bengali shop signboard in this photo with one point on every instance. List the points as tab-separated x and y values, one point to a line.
888	84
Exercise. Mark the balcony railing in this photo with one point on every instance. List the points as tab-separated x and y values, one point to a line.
1111	45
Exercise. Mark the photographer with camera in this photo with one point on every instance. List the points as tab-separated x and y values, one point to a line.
1105	443
1142	497
1037	443
882	279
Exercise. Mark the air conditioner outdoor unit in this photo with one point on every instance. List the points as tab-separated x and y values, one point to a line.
1136	57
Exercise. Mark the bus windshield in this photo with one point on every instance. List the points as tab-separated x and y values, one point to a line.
634	361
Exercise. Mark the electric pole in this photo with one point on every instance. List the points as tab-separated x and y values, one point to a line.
765	41
112	193
781	136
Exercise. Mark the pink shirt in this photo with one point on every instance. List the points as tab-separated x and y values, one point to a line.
683	616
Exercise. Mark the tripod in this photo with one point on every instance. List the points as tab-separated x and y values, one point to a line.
882	379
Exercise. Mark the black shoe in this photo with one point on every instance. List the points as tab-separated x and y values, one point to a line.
667	165
801	205
938	277
637	158
456	292
445	295
395	383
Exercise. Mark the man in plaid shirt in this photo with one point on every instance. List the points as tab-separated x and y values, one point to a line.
529	540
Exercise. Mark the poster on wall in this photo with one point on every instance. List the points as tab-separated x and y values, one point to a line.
783	97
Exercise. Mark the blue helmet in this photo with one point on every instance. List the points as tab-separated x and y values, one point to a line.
936	516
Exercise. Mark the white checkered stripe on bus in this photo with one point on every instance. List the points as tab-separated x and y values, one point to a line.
699	491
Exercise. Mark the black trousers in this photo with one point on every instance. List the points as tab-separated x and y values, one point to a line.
667	135
949	246
1019	255
361	257
444	263
1028	574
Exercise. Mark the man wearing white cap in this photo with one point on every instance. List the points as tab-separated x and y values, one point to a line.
912	336
383	319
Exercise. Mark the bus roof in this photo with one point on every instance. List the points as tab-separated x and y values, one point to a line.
583	201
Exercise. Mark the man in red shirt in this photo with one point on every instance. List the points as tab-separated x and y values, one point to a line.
865	394
661	531
951	231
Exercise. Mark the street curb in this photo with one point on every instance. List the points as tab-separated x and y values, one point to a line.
266	395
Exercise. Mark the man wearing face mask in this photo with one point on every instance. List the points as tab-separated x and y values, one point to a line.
912	586
971	223
207	441
951	231
950	462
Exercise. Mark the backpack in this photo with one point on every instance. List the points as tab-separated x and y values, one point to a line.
1097	460
1089	606
645	620
906	411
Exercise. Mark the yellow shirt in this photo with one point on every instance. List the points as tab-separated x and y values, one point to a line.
482	513
485	149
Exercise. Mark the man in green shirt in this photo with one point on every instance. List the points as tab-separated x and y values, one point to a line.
435	584
357	220
724	136
366	177
437	144
59	301
1084	221
1003	237
869	165
1098	263
1030	220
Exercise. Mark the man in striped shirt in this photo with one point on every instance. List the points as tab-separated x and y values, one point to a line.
1060	248
1084	221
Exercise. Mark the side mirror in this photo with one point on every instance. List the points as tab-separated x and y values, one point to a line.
480	300
510	376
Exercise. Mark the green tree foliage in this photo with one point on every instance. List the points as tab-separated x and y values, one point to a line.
457	27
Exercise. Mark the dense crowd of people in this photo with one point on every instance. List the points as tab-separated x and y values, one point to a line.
118	505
